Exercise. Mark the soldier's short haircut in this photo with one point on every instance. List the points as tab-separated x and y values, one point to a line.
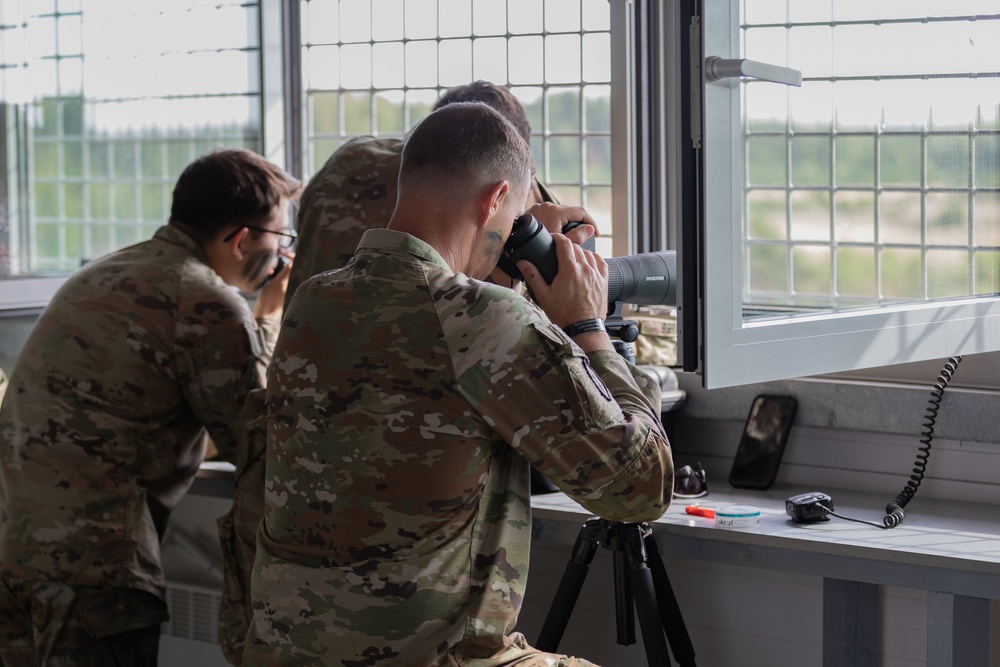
466	142
229	187
495	96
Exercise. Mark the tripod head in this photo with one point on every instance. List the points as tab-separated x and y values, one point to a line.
613	535
623	332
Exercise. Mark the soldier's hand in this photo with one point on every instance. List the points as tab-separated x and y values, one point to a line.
555	216
580	289
271	298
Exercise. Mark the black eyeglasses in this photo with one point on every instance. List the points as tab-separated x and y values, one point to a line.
287	235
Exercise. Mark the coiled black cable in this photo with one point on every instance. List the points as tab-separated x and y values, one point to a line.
894	510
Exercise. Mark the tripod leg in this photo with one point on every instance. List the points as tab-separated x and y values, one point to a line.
624	605
570	585
670	611
562	607
649	616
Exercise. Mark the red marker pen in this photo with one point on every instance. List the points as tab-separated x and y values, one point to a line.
700	511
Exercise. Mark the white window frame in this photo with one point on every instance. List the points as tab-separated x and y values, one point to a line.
736	351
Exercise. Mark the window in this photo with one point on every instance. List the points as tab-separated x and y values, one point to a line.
378	66
851	222
857	214
104	103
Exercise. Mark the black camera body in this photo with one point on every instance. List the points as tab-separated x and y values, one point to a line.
807	507
645	279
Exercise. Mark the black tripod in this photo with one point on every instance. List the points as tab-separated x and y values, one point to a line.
640	581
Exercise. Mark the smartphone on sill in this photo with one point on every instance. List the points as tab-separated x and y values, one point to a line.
763	441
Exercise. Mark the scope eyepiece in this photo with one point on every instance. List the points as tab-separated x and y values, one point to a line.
531	241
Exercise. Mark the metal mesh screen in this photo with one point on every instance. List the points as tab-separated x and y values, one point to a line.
378	66
106	102
878	181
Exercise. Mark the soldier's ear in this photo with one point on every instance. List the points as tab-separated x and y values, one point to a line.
493	201
234	242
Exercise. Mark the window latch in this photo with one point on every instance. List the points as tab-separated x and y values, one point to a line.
717	68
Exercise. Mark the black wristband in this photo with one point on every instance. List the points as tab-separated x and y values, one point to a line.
584	326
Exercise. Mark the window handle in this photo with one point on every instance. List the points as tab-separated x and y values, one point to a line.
717	68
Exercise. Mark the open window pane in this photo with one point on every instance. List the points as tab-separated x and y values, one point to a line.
851	214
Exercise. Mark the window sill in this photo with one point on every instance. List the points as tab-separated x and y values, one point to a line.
27	295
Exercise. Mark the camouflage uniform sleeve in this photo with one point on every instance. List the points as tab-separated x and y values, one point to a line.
222	356
590	424
268	329
238	528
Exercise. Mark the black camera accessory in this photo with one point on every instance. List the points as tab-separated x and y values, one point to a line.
584	326
808	507
690	482
809	503
894	510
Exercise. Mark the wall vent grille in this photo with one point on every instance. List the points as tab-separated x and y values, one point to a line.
194	613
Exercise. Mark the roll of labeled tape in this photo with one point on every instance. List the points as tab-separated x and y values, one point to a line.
737	516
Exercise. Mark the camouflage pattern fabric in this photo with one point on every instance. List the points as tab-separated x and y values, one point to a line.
238	528
4	383
396	511
354	191
103	426
57	625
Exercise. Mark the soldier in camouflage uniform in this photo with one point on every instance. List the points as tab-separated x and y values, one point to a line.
136	356
403	390
356	189
353	192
